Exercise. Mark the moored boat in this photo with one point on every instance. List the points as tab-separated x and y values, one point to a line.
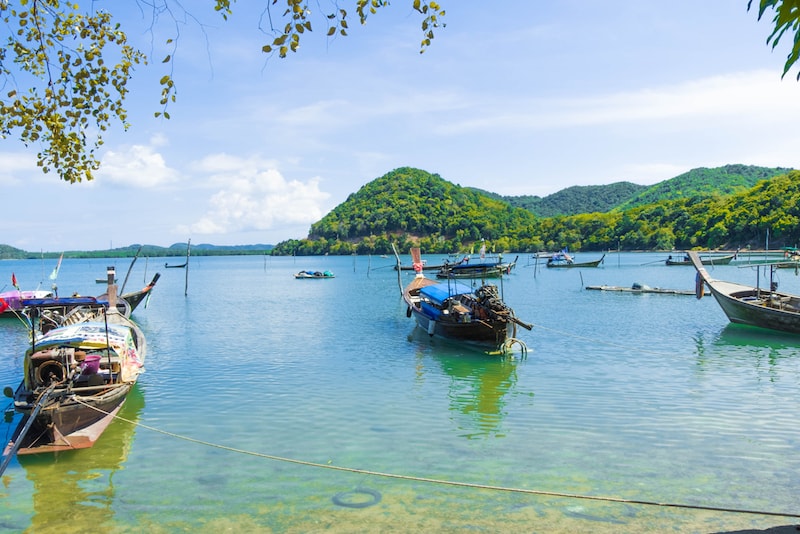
134	298
13	302
564	260
705	260
304	275
454	310
482	269
755	306
78	371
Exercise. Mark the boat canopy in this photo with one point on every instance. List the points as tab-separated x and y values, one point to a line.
438	293
70	301
91	334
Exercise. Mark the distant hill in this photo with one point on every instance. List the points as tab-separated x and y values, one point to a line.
152	251
411	207
701	182
576	199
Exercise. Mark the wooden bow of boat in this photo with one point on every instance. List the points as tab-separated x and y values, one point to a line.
754	306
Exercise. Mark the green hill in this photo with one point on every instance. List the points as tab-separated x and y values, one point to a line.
422	207
705	208
704	182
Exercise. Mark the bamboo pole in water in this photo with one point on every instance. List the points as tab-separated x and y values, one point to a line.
186	286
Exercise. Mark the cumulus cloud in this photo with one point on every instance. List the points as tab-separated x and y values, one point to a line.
137	166
255	197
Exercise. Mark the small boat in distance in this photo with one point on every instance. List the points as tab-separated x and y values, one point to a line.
765	308
476	270
454	310
705	259
304	275
564	260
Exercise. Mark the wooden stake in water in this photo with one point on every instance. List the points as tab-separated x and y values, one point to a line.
186	286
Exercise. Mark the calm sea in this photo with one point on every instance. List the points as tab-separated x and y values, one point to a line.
279	405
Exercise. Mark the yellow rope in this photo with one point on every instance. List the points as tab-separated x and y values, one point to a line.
453	482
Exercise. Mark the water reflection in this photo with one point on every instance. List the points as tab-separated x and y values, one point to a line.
478	384
75	490
745	347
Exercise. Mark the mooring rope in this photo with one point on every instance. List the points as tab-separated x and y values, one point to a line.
454	483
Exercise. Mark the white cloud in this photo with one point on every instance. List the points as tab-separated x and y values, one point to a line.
137	166
256	198
753	95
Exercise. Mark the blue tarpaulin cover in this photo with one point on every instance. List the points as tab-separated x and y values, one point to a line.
440	292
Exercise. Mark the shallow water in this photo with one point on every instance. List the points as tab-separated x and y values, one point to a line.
270	404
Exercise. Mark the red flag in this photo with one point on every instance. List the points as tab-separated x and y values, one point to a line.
14	281
3	305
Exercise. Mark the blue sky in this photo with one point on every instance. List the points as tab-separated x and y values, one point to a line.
520	98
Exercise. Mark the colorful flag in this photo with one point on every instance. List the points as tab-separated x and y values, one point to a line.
14	281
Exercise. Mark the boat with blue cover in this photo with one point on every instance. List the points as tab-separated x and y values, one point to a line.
455	310
306	275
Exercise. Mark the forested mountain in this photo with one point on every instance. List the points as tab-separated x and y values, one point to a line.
726	207
577	199
409	206
623	195
704	182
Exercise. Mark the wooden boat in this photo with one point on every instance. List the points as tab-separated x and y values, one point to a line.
180	266
705	260
305	275
134	298
454	310
13	302
77	374
425	267
642	288
564	260
765	308
481	269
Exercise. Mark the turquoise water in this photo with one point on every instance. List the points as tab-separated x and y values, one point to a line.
258	386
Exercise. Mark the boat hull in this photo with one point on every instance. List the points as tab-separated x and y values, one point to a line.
750	305
556	263
490	333
69	423
705	260
757	311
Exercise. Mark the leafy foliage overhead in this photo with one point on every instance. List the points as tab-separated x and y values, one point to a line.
64	70
786	19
